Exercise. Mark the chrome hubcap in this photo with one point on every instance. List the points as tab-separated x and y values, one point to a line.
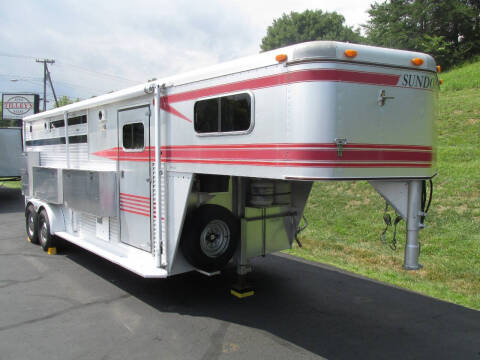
215	238
31	225
43	233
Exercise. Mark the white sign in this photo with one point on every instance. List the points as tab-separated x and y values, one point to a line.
17	106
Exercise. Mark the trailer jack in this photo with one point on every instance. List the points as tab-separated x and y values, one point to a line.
242	288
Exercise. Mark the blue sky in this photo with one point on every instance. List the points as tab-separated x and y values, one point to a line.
100	46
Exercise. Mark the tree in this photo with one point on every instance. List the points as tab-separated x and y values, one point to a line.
65	100
307	26
447	29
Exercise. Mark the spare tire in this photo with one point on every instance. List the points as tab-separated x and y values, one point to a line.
209	237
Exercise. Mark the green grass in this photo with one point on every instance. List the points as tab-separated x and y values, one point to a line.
11	184
464	77
345	227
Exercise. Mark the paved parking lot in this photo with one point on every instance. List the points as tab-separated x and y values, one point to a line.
76	305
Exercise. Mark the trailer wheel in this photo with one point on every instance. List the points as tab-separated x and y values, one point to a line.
31	224
209	237
46	239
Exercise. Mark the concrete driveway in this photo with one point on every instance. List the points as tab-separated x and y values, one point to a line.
78	306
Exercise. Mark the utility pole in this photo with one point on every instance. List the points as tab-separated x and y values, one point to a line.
46	75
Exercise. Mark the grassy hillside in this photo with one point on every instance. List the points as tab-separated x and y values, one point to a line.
346	218
461	78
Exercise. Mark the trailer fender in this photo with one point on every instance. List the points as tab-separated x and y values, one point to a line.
54	212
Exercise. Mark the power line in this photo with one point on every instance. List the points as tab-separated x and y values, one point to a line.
16	77
16	56
62	63
20	77
78	85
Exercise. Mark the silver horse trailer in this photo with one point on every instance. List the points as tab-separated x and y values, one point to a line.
187	172
11	158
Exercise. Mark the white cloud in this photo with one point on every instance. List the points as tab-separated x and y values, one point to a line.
137	39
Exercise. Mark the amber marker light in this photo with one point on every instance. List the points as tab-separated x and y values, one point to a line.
351	53
440	81
281	57
417	61
439	68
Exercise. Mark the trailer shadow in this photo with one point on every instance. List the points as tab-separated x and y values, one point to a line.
11	200
326	311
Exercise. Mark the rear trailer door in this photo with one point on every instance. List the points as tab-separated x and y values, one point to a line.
134	167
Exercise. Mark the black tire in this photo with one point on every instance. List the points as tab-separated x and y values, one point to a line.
209	237
45	238
31	224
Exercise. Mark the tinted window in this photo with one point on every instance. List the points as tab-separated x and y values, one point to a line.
71	121
223	114
57	124
133	136
77	120
206	116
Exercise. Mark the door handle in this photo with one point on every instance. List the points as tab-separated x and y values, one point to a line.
382	97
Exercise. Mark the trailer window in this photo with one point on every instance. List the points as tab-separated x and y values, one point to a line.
133	136
77	120
223	114
57	123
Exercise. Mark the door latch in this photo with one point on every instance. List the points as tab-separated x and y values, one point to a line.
340	142
382	97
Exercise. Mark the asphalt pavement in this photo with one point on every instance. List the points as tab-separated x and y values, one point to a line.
76	305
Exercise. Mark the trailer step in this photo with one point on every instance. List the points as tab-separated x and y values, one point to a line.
208	273
140	262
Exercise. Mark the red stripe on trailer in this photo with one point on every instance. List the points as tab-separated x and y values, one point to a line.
111	154
164	105
335	75
297	145
306	155
127	206
301	164
139	213
134	196
134	205
134	212
119	154
297	154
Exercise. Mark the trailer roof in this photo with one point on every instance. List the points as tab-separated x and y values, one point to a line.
309	51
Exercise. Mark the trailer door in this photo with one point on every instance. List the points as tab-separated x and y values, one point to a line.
134	169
